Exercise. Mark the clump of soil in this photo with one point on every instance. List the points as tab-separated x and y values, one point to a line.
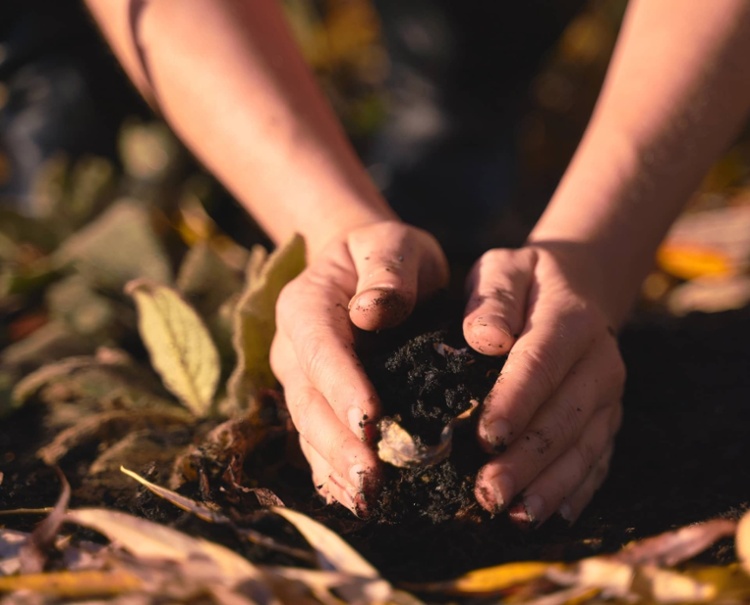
426	376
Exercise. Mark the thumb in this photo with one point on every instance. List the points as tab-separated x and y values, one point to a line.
391	260
497	289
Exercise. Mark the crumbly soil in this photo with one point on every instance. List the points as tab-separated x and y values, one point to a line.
681	457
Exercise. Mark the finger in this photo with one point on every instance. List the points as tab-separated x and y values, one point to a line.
316	340
396	265
558	425
564	476
322	430
330	484
497	291
572	507
554	340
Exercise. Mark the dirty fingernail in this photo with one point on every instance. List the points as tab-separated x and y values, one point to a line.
496	434
529	512
495	492
356	476
356	418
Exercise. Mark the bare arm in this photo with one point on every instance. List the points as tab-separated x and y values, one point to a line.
677	90
230	80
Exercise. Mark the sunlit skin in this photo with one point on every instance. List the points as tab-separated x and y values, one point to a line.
231	82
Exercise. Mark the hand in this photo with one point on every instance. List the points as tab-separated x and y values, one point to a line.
370	278
553	413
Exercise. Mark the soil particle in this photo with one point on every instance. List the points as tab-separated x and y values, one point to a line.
425	377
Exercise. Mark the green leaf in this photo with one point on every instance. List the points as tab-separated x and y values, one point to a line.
119	246
179	344
255	320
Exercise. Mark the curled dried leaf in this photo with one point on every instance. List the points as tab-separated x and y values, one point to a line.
398	448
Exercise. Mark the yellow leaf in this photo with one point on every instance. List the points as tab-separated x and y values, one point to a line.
667	586
691	261
490	580
74	584
179	344
255	319
743	542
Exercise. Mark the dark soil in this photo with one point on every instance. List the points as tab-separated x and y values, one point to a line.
426	375
682	457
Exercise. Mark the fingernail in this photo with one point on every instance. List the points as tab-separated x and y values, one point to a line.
529	512
566	512
356	419
347	494
356	476
503	488
496	434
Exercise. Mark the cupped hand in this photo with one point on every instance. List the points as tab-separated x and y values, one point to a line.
553	413
369	278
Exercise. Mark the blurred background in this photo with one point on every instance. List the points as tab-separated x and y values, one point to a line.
471	105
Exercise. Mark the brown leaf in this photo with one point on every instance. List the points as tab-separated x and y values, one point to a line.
398	448
676	546
33	554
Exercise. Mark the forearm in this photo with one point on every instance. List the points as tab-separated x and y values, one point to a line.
677	90
229	78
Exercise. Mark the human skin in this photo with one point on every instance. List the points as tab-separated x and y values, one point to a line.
229	79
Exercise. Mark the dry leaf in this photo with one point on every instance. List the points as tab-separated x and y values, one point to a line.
489	581
179	344
206	280
399	448
334	554
743	542
673	547
148	540
199	510
84	584
255	320
117	247
33	554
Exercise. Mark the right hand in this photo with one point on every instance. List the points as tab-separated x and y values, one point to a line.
370	278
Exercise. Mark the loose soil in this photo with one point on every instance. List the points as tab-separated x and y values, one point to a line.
682	456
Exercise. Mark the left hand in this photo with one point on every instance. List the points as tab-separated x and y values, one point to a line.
552	416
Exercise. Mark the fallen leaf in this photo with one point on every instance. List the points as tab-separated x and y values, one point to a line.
206	280
148	540
742	542
187	504
106	426
179	344
255	320
488	581
673	547
11	543
668	586
34	553
84	584
334	554
398	448
206	513
120	245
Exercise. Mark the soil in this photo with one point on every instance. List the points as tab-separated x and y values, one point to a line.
682	456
